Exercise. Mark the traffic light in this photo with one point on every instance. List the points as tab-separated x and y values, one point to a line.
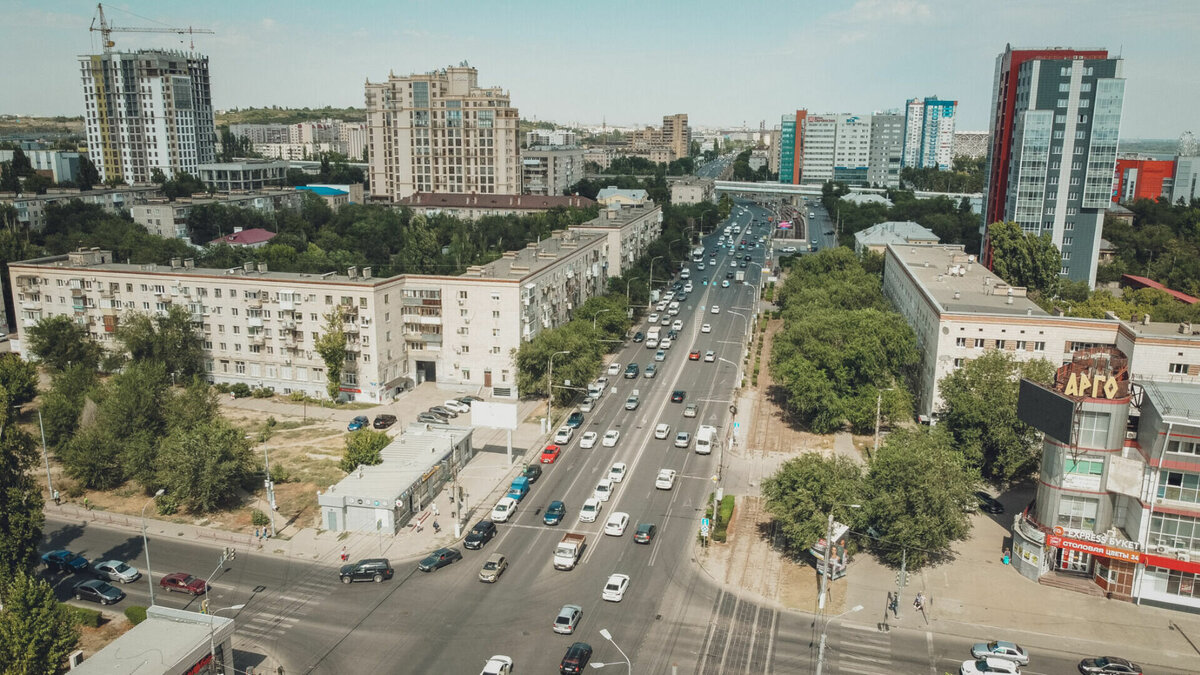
901	579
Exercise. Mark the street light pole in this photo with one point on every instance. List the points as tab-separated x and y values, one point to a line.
597	315
608	636
146	543
212	645
878	404
550	392
650	288
825	631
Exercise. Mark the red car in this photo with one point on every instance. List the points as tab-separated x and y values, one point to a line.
694	355
184	583
550	454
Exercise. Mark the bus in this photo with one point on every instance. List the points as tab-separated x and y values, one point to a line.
698	254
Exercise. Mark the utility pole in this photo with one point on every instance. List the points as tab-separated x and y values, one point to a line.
270	486
825	575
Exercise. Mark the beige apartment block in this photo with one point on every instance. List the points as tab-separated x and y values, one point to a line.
31	208
958	309
551	170
629	229
677	135
692	190
441	132
471	207
166	218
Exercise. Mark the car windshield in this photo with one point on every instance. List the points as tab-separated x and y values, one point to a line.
104	588
489	565
121	567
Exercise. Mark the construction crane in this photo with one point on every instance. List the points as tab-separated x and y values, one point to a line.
106	30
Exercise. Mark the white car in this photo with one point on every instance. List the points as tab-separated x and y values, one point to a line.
614	588
498	665
588	404
589	511
604	490
669	296
661	306
706	328
457	406
687	288
617	472
710	356
610	438
662	430
588	439
503	509
665	320
616	524
665	479
614	369
989	665
716	309
724	284
682	439
653	319
665	344
678	325
563	435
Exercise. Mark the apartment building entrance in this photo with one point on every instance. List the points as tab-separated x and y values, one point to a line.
426	371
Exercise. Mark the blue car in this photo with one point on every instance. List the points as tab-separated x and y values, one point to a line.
554	513
575	420
358	423
64	561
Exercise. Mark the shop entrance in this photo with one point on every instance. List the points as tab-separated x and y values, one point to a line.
1074	561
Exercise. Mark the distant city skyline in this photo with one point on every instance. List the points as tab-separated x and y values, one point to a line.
624	63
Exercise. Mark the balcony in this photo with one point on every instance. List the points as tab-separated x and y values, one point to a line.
258	339
254	302
350	327
351	310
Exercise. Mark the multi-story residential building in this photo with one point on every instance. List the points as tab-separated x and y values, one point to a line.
31	209
304	140
1142	178
601	157
958	309
441	132
887	145
613	195
248	174
1185	184
263	133
774	156
260	327
692	190
791	147
677	135
550	170
550	138
929	133
852	149
472	207
1056	117
61	165
166	218
147	110
972	144
1117	510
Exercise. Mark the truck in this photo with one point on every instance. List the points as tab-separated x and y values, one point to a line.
739	275
706	437
519	488
567	553
655	295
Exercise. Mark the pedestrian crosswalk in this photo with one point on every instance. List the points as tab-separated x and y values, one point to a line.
273	613
860	650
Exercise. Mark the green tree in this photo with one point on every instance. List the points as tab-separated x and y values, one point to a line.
59	341
981	414
362	448
21	164
331	345
93	458
802	493
9	182
21	499
36	183
913	511
64	403
169	339
89	176
203	468
19	378
1023	259
132	410
37	632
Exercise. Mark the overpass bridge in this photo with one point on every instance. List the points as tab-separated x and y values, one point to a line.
814	190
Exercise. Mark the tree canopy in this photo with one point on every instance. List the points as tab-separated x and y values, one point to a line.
58	341
37	632
801	494
1024	259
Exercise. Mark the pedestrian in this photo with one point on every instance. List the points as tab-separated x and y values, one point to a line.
57	498
919	602
436	528
434	508
86	505
345	556
1007	555
257	533
895	606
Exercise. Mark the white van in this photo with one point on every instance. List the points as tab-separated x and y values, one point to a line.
706	437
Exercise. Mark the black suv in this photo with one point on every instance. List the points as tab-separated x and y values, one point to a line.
369	569
575	659
638	337
481	534
383	421
533	472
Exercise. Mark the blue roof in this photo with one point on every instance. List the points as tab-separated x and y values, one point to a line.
323	191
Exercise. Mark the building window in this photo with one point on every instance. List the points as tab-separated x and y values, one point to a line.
1086	467
1021	345
1039	346
960	342
1093	429
495	314
1179	486
1177	368
1184	447
959	363
979	342
466	349
1174	531
1077	513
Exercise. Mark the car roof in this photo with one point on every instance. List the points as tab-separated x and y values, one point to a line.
556	504
570	608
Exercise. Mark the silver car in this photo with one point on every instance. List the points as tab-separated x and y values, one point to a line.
567	619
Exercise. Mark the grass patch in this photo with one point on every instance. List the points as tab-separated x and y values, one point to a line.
725	513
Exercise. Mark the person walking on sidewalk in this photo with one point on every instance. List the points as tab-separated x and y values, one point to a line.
434	508
345	556
919	603
894	604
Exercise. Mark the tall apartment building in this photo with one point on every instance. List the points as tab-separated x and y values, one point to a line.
835	147
550	170
260	327
147	110
550	137
1056	118
791	147
818	137
929	133
441	132
887	145
677	135
304	140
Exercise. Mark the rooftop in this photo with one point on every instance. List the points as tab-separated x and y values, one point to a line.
156	645
1145	282
614	191
619	215
1176	400
458	200
535	257
323	190
405	460
958	283
866	198
895	232
254	235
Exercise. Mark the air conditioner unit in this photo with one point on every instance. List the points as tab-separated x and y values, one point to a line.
1183	556
1160	549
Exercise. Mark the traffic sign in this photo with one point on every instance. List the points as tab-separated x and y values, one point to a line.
737	425
704	523
704	532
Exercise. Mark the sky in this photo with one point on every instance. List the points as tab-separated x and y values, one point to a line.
725	64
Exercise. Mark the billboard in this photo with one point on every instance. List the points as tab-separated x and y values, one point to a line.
1046	410
494	415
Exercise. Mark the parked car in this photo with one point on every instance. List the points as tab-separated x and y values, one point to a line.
588	439
554	513
63	560
1001	649
533	472
504	509
357	423
439	559
1109	664
457	406
430	418
99	591
575	420
588	404
550	454
615	587
470	399
182	582
567	619
563	435
644	534
383	421
115	570
665	479
443	411
498	665
576	659
492	568
482	533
